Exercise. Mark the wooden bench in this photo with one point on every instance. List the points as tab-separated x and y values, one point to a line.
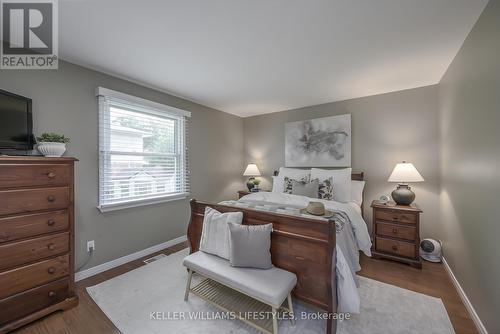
230	285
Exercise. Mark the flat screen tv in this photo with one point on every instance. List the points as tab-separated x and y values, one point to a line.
16	123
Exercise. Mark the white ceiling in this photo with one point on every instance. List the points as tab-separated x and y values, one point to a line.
250	57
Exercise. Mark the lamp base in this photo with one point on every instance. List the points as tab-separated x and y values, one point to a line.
403	195
250	183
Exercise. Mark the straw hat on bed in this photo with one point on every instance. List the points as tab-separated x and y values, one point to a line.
317	209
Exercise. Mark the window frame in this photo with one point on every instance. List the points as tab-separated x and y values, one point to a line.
148	107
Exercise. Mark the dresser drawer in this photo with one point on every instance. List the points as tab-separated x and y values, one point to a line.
19	227
13	176
33	275
396	231
396	216
396	247
18	253
28	200
30	301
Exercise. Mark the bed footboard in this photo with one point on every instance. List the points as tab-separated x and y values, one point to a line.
301	245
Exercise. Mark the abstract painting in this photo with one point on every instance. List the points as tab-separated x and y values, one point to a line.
319	142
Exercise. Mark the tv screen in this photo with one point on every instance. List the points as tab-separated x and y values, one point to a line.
16	124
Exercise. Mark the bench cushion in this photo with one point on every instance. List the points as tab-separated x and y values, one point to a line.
271	286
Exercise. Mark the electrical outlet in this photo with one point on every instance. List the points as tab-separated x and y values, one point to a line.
90	246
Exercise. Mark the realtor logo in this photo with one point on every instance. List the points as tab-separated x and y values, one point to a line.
29	34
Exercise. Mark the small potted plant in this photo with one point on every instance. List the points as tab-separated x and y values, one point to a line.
52	144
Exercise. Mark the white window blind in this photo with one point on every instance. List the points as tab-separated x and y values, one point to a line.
143	151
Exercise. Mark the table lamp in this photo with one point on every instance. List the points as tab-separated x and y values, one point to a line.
404	173
252	170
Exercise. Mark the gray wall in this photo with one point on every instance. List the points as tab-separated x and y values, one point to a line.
450	132
469	99
64	101
386	129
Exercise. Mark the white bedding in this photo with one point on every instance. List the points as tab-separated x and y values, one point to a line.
355	207
349	240
359	227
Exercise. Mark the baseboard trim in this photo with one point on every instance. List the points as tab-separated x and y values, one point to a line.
468	305
127	258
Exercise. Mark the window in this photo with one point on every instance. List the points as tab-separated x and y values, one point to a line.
142	151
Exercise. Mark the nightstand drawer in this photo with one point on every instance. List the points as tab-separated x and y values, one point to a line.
396	216
396	247
396	231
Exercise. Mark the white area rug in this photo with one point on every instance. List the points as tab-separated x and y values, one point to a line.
128	300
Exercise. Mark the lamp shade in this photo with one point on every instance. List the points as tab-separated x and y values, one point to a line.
251	170
405	172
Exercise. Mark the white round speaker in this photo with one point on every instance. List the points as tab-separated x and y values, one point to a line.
430	250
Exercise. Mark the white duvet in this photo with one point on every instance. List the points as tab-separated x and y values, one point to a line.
350	240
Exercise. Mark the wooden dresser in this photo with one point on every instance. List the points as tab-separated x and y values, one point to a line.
396	233
36	238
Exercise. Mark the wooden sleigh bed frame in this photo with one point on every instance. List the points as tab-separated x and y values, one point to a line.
304	246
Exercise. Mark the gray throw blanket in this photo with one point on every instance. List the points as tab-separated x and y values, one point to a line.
340	217
345	236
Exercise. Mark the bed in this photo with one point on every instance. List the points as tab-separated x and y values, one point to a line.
305	245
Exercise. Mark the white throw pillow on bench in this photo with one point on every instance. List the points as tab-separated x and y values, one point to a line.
215	233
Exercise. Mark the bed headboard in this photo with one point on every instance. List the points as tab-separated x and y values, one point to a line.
354	176
360	176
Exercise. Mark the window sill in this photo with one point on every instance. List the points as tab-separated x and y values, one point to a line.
141	202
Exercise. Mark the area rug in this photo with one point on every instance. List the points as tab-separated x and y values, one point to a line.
150	299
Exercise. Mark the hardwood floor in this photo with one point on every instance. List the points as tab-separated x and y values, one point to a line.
87	317
431	280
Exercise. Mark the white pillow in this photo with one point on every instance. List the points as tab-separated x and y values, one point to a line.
215	232
292	173
357	192
278	184
341	182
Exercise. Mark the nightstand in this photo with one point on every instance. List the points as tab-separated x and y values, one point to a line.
396	233
242	193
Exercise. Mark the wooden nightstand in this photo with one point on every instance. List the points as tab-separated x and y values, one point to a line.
396	233
242	193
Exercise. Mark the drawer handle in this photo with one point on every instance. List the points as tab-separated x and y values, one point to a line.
394	247
51	175
51	246
52	294
51	270
395	231
300	258
51	198
51	222
395	218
